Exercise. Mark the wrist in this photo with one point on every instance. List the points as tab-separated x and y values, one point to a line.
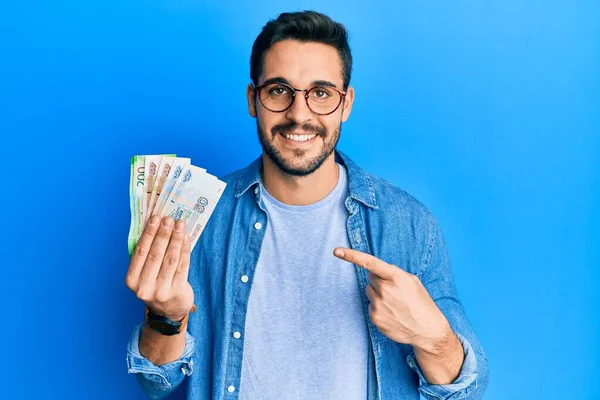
166	325
441	363
173	317
437	346
161	349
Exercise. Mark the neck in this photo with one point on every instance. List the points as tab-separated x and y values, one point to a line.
299	190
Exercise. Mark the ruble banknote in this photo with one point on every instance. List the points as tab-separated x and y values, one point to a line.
168	185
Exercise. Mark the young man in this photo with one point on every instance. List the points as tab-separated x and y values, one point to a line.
313	279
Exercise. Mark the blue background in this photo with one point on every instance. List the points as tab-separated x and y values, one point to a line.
486	111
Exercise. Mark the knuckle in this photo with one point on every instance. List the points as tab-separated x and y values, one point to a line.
140	250
130	282
170	260
145	294
374	316
164	233
162	295
149	232
178	236
184	262
377	318
414	280
154	257
370	264
181	268
370	294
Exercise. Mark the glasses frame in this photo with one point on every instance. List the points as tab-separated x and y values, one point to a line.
259	88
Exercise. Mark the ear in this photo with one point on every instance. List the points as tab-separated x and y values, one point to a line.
347	104
250	96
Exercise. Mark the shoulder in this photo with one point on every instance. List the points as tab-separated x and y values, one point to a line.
390	198
382	196
401	229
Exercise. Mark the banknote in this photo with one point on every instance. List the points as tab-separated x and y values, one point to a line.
194	199
168	185
205	205
136	194
151	169
189	172
162	173
175	175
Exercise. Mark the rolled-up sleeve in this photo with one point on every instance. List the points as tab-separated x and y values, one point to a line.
437	277
158	381
462	385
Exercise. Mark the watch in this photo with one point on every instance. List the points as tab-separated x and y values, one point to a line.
164	325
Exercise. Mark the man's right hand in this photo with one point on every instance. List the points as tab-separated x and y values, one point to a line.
158	270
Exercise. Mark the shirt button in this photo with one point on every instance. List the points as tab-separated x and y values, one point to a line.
244	278
237	335
231	389
258	225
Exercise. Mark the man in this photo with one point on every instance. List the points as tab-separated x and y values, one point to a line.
313	279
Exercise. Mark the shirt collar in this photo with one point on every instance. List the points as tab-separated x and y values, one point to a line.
360	186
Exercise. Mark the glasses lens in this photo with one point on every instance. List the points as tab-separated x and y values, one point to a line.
276	96
323	100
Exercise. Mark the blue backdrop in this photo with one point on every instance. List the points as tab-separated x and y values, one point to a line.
486	111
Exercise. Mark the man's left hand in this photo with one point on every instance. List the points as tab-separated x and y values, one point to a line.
400	306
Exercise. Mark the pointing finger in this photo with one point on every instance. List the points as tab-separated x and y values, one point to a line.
382	269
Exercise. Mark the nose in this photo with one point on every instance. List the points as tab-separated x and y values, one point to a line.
299	111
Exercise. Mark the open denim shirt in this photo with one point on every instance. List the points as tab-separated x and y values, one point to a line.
383	220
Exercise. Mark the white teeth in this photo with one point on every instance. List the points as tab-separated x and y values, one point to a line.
300	138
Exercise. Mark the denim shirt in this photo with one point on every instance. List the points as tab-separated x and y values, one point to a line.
383	220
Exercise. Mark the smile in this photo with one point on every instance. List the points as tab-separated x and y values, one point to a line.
299	138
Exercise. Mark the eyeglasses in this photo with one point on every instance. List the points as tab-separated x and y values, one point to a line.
279	97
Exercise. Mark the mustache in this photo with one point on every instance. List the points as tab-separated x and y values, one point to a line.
306	128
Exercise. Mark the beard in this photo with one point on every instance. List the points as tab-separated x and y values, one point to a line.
298	164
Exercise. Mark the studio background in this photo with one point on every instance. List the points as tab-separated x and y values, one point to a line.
486	111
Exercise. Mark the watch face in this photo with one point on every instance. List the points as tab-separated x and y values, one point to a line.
162	327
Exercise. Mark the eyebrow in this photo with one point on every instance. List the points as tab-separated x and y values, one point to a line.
280	79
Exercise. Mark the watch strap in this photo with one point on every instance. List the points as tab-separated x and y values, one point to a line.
181	324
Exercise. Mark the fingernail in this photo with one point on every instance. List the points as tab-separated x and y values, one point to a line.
167	222
339	252
153	220
179	225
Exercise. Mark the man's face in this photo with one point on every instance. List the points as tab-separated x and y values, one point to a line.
300	65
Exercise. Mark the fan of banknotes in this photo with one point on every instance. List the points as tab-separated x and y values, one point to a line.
169	185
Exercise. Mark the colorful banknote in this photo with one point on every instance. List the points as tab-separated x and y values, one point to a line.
194	199
159	181
168	185
136	196
151	170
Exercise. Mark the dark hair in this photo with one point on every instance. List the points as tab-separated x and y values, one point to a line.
304	26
